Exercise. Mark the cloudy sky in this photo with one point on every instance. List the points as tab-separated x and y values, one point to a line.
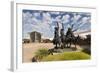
45	21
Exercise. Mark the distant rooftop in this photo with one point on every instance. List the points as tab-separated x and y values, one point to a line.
83	32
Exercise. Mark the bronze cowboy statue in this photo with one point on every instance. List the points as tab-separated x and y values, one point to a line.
70	38
56	40
62	40
62	37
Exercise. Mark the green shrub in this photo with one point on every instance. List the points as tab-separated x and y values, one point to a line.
67	56
39	54
87	51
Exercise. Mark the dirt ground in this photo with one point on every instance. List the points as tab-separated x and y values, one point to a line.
30	48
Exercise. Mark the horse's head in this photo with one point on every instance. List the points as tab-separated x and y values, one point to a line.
56	28
69	29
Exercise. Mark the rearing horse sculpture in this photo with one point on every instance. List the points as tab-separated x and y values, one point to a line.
56	39
62	40
62	37
70	38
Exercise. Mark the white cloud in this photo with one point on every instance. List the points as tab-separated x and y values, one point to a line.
42	26
46	18
36	14
80	22
84	24
58	18
66	18
76	18
35	21
27	15
56	13
86	20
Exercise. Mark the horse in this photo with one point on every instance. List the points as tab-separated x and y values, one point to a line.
70	38
56	40
62	37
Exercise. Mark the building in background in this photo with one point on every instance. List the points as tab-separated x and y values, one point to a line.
85	38
35	36
26	41
83	34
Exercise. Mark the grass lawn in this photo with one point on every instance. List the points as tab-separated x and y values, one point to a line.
66	56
